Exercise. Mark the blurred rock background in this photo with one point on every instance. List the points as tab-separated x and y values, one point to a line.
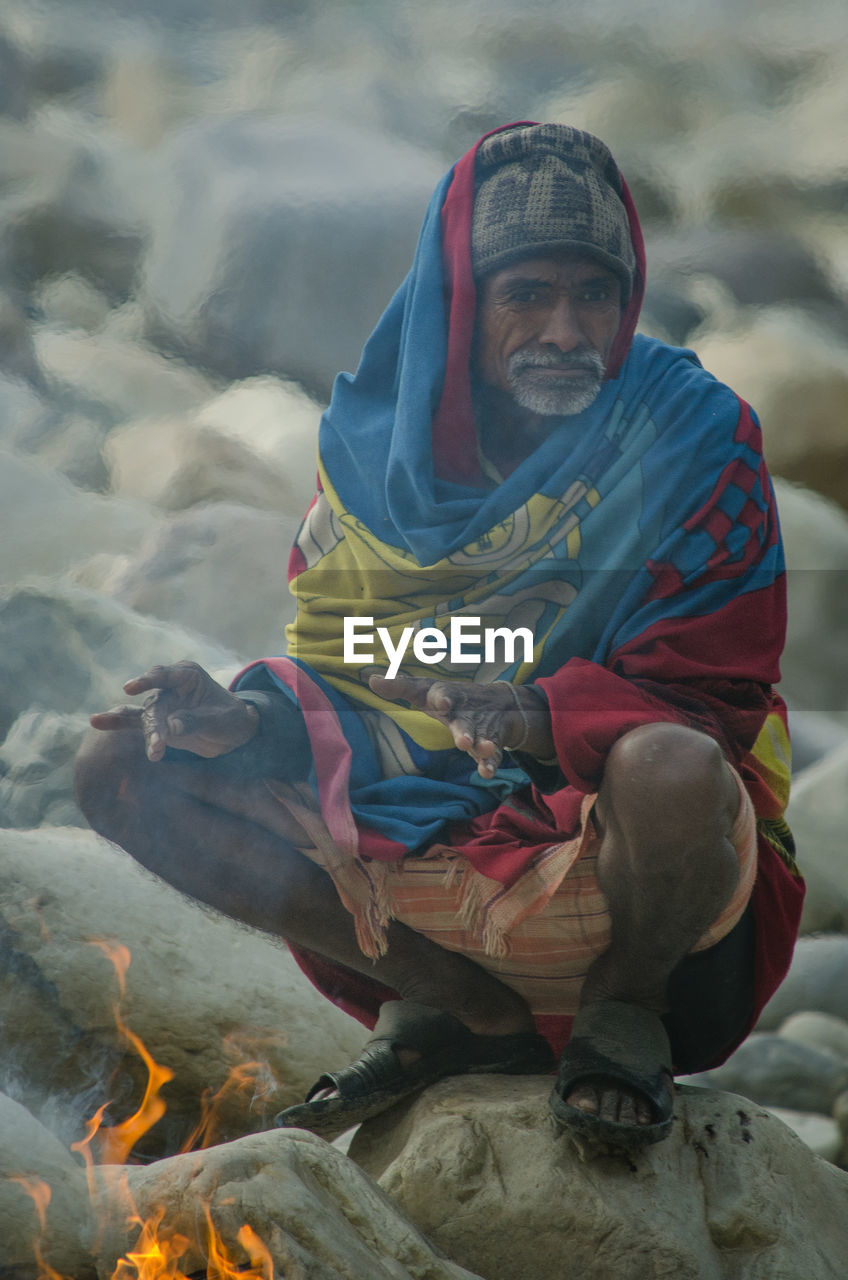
203	209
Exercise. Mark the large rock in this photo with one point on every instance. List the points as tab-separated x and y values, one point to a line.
816	815
219	552
125	378
794	371
37	770
55	524
72	200
816	982
815	533
68	650
315	1213
731	1194
818	1030
33	1161
775	1071
278	245
204	995
177	463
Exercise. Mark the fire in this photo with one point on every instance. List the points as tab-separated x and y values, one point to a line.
158	1249
40	1194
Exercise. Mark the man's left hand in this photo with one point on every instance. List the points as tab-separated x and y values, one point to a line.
483	718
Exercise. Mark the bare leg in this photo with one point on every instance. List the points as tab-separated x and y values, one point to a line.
667	868
174	820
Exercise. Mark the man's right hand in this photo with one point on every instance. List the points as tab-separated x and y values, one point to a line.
184	708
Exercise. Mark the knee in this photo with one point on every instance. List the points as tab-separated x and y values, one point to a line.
669	766
103	769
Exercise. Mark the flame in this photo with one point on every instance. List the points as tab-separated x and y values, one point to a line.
40	1194
155	1254
251	1076
158	1248
115	1143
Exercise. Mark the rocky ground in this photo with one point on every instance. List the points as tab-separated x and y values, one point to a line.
203	210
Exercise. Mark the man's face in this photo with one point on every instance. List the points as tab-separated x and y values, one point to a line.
545	327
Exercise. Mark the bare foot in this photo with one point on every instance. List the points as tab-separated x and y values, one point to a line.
611	1101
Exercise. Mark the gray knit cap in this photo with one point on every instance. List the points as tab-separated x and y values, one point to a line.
547	186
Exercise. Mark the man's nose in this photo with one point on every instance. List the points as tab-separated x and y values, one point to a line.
561	328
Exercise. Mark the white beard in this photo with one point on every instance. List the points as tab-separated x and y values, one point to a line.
548	396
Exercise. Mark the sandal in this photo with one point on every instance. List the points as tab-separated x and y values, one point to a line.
377	1080
626	1045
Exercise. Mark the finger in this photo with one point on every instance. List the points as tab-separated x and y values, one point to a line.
412	689
154	722
488	756
162	677
117	718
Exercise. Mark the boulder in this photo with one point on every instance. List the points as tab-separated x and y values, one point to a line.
287	1199
732	1193
278	421
37	768
68	650
816	815
820	1133
775	1071
33	1161
57	525
217	552
815	534
260	237
794	371
212	1001
819	1031
176	463
816	981
125	378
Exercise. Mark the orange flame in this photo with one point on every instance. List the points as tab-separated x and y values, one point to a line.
115	1144
40	1194
158	1249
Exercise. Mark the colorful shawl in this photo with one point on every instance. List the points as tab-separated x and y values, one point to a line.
639	543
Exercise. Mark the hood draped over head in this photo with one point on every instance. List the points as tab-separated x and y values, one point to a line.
557	186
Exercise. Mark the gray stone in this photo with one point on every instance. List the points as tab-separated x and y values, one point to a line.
256	261
815	533
68	650
820	1133
205	996
816	815
814	735
30	1156
817	980
792	369
818	1031
176	463
778	1072
731	1194
57	525
215	552
125	378
318	1215
36	770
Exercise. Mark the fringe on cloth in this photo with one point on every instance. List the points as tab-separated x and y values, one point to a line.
486	909
361	885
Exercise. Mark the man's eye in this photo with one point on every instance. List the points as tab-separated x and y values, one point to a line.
597	293
524	295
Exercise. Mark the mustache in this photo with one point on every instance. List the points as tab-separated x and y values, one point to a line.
583	361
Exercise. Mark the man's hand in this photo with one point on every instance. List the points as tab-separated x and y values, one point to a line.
184	708
483	718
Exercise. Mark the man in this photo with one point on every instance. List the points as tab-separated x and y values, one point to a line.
505	856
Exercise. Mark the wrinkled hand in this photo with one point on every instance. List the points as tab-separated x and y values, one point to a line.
184	708
483	718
